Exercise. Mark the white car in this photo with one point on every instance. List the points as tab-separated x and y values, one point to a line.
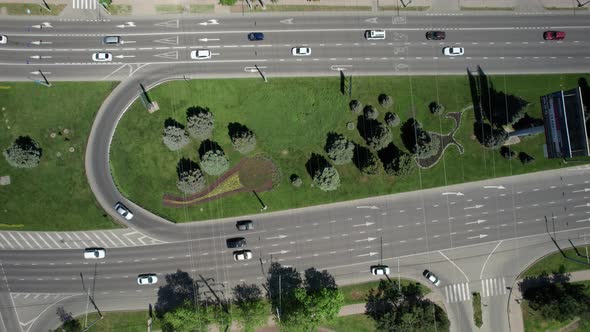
94	253
301	51
147	279
123	211
432	277
453	51
102	57
3	39
201	54
377	270
242	255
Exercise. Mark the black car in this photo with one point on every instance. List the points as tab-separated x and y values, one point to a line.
244	225
436	35
256	36
236	242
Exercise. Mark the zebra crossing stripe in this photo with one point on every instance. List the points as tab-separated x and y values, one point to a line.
42	239
22	237
33	239
20	245
447	293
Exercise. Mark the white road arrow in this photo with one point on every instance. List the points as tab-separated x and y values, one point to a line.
340	67
372	20
365	224
479	221
279	252
583	205
372	253
287	21
276	237
478	206
372	207
211	21
124	56
126	25
494	187
123	42
453	193
252	69
42	25
207	39
583	220
581	190
40	42
369	239
40	56
39	73
480	236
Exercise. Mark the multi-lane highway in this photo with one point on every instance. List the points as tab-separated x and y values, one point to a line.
417	230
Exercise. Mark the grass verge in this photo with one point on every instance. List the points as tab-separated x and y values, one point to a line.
300	8
34	8
128	321
196	9
407	9
121	10
358	292
291	118
54	196
566	8
170	9
555	262
352	323
477	316
487	8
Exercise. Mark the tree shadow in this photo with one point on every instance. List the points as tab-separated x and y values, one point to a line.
409	132
527	122
361	157
542	280
331	137
27	143
180	287
316	280
170	122
583	84
281	280
246	292
208	145
316	163
474	96
389	154
342	83
196	110
236	129
366	127
185	165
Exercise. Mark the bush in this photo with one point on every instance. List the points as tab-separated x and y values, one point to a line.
370	164
227	2
401	166
380	138
385	101
242	138
371	112
200	122
391	119
507	153
327	178
23	153
356	106
339	149
436	108
296	180
525	158
491	138
175	138
214	162
190	177
418	141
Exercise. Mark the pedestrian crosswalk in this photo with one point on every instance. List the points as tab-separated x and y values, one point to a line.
493	287
69	240
457	293
84	4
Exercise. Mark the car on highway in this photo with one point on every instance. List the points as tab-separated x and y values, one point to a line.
380	269
242	255
102	57
245	225
147	279
436	35
453	51
236	242
123	211
94	253
554	35
375	34
111	40
432	277
3	39
201	54
252	36
301	51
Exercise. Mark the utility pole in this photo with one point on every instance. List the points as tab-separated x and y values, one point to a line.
261	73
43	82
45	6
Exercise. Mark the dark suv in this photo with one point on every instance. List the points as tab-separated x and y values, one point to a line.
436	35
236	242
255	36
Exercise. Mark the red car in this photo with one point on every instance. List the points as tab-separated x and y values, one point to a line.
554	35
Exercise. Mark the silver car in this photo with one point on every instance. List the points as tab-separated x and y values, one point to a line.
147	279
94	253
453	51
201	54
123	211
301	51
242	255
380	269
102	57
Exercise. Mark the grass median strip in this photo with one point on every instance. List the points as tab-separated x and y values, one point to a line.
31	9
477	315
357	293
555	262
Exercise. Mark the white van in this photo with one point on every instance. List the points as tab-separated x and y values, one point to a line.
375	34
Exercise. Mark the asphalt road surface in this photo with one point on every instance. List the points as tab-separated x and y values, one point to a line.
344	238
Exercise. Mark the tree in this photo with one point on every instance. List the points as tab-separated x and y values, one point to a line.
68	323
401	166
251	310
214	162
327	178
242	138
339	149
366	161
305	311
296	180
525	158
507	153
379	137
391	119
489	137
190	177
385	100
317	280
418	141
281	280
371	112
175	138
356	106
200	122
187	318
436	108
23	153
502	109
179	290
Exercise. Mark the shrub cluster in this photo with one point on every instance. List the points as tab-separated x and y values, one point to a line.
392	119
327	178
371	112
23	153
385	101
190	180
339	149
200	123
214	162
356	106
175	138
243	141
379	137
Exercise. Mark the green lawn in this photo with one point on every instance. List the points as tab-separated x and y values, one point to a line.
554	261
34	8
128	321
301	8
55	195
291	118
120	9
357	293
353	323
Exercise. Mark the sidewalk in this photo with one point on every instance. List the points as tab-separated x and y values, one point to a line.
514	309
